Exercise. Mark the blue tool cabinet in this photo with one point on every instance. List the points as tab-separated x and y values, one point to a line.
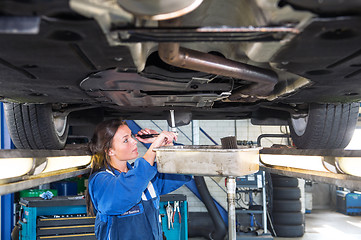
180	228
348	203
58	218
64	217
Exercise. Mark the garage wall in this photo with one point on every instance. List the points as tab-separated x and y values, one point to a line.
323	196
242	129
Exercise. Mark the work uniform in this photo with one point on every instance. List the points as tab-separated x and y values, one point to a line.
127	204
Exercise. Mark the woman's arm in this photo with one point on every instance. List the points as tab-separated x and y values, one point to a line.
115	194
167	183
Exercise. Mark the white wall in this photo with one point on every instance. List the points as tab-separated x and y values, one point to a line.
242	129
323	196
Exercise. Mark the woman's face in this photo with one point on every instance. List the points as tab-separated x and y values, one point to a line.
124	147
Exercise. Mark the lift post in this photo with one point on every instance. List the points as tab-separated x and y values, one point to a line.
231	198
6	201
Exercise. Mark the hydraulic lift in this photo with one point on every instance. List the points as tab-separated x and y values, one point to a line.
330	160
337	167
327	176
35	175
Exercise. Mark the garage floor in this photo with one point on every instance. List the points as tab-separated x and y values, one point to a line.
326	225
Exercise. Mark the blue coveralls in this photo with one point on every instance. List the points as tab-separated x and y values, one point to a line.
127	204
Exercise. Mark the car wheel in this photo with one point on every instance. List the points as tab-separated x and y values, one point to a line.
36	126
326	126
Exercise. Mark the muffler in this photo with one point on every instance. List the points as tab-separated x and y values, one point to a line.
263	80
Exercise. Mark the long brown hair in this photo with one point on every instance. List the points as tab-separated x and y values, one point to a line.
99	146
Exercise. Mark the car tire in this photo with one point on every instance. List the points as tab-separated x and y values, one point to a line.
289	218
326	126
283	181
286	193
34	126
289	230
287	205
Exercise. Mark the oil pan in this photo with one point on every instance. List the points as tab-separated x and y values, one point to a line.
207	160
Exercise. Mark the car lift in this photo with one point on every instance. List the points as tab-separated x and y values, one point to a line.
332	172
28	181
39	156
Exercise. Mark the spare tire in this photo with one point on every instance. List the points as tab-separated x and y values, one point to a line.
283	181
289	218
287	206
289	230
286	193
326	126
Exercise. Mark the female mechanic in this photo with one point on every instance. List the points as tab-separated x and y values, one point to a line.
125	197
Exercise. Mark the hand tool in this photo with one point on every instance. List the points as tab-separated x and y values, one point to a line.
144	136
176	209
169	211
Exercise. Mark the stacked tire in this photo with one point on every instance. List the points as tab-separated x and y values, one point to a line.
288	219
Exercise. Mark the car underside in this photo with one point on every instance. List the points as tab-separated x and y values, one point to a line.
86	60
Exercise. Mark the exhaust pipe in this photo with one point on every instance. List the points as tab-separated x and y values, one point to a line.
264	79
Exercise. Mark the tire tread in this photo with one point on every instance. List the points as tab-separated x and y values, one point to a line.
286	193
31	126
329	126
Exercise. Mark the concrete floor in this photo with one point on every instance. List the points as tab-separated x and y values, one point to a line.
327	225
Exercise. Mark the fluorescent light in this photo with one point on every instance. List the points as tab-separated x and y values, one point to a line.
15	167
59	163
295	161
349	165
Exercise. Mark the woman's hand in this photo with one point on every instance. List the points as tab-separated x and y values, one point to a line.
165	138
145	132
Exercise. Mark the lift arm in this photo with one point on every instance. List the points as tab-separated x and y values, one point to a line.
333	166
44	166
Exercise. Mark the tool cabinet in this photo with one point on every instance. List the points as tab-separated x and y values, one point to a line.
348	203
179	231
58	218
